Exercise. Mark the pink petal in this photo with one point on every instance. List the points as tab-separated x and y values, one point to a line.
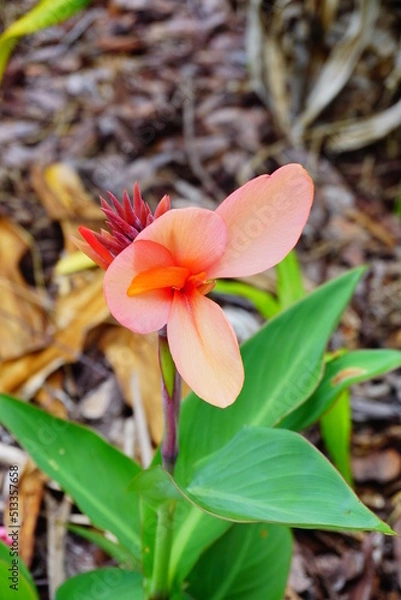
265	218
145	312
196	237
205	349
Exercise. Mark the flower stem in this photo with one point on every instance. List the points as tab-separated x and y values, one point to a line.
164	539
171	398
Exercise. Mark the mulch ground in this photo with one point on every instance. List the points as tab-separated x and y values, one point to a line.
162	93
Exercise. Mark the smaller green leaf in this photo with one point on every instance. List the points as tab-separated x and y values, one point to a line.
124	558
335	426
249	561
340	374
18	583
276	476
264	302
290	287
108	584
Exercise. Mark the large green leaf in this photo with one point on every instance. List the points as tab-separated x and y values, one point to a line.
277	476
106	584
92	471
25	588
283	364
44	14
249	561
340	374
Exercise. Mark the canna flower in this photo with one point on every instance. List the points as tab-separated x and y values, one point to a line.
164	275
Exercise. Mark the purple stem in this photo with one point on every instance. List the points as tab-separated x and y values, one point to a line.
171	400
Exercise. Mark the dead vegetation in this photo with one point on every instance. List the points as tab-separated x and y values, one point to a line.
192	99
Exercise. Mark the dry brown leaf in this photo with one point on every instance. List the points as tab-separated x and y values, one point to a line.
46	396
375	228
341	63
57	518
75	315
30	493
267	64
130	353
358	133
22	318
63	195
61	191
329	10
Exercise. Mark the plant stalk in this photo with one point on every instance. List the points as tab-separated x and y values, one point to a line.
171	399
159	589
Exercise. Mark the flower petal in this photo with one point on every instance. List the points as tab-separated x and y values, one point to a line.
158	278
205	349
145	312
196	237
265	218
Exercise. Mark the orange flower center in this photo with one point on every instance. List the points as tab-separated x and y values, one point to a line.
176	278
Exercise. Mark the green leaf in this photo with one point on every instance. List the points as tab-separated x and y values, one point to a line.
44	14
340	374
108	584
194	531
290	287
25	589
335	427
88	468
149	527
122	556
249	561
155	486
276	476
264	302
283	364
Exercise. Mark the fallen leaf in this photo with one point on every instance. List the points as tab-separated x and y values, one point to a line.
22	317
63	195
30	493
127	353
46	396
61	191
74	315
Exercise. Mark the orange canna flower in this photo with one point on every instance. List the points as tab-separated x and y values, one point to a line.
163	276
